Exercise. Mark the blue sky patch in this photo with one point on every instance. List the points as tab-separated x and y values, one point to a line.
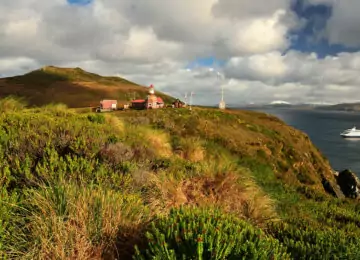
311	37
206	62
79	2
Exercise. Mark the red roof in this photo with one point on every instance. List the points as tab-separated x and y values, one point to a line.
138	101
151	86
159	100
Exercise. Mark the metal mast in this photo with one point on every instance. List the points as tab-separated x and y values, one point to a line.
222	102
191	94
222	93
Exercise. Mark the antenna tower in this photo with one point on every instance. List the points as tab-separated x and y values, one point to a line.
191	95
222	104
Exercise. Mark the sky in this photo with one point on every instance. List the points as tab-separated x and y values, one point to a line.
291	50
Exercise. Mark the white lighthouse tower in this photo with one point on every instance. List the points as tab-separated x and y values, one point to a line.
151	90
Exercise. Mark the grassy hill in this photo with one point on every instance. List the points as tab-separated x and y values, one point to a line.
171	183
71	86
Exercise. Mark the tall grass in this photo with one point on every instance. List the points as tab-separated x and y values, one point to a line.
222	185
68	221
12	103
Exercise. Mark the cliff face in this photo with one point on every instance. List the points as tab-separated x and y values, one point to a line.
253	139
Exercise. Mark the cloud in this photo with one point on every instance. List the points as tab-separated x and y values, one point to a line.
153	42
330	78
343	26
16	65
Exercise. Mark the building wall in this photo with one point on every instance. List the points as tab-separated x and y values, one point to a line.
152	105
138	105
108	104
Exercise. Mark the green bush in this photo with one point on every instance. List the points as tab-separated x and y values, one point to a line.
96	118
306	241
207	234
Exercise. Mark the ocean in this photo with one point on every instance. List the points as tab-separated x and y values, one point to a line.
323	128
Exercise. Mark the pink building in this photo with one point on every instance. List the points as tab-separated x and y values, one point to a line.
108	104
151	102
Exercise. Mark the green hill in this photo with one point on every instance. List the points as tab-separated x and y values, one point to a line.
166	184
71	86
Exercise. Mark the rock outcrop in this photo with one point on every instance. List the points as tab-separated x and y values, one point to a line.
332	188
349	183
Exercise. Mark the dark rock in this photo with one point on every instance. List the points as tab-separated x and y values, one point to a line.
349	183
332	188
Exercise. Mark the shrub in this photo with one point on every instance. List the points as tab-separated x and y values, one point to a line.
116	154
96	118
11	104
57	109
207	234
304	241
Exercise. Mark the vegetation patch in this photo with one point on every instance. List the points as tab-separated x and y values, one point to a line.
207	234
166	183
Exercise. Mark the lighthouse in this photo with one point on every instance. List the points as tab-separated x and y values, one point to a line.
151	90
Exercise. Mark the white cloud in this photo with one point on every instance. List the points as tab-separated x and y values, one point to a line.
16	65
151	42
260	35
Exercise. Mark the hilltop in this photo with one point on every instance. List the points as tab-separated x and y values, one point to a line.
71	86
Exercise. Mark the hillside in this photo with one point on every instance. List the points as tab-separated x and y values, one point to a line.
71	86
167	183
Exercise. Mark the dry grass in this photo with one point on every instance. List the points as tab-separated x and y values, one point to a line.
224	187
158	141
10	104
57	109
192	149
84	110
83	223
115	122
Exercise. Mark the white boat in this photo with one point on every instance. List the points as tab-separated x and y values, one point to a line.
352	132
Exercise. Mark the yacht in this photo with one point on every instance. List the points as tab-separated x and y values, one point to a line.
352	132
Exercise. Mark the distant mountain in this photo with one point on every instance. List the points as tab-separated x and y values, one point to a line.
342	107
278	105
71	86
279	102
